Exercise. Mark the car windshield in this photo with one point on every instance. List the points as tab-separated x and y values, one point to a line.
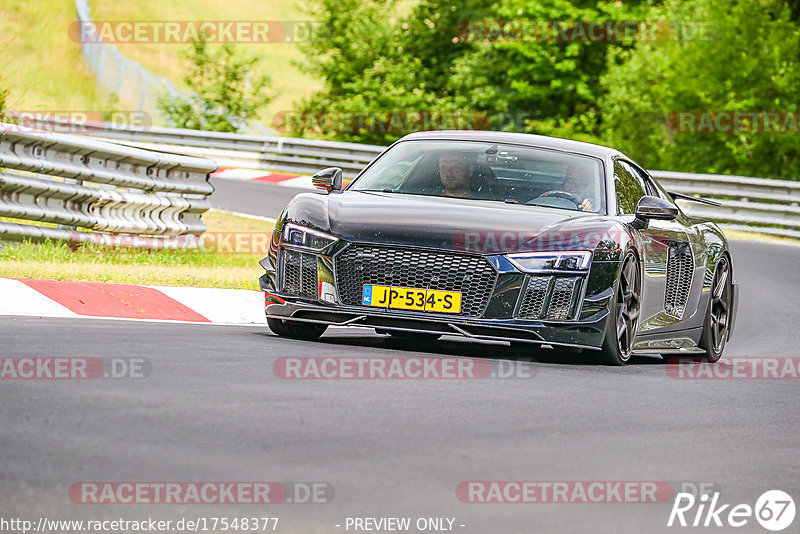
488	171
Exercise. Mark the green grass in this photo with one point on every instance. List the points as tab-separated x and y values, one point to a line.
39	64
45	71
206	267
166	59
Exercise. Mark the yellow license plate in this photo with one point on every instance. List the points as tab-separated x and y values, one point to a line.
407	298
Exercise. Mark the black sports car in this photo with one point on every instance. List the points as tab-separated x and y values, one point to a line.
503	236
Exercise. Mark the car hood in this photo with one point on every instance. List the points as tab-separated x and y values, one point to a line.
447	223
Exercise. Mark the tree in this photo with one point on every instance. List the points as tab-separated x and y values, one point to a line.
444	57
748	63
221	99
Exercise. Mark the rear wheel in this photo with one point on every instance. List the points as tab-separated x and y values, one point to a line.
296	329
715	328
623	321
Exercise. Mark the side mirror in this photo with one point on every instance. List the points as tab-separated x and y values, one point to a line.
328	180
650	207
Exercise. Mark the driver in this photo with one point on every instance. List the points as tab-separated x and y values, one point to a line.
580	182
456	172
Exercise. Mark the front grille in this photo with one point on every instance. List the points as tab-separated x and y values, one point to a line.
472	276
549	297
299	274
680	266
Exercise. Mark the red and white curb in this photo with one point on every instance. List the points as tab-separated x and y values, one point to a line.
50	298
253	175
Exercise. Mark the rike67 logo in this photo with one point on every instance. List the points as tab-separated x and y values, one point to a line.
774	510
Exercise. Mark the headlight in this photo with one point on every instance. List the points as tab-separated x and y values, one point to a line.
551	261
296	236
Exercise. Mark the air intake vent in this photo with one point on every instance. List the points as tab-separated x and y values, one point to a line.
549	297
300	274
680	266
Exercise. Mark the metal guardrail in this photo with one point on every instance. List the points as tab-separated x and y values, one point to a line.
752	204
748	204
289	154
78	182
126	78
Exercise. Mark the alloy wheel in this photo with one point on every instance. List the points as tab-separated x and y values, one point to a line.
720	305
628	306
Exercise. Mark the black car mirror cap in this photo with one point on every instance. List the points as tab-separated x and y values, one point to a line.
328	180
650	207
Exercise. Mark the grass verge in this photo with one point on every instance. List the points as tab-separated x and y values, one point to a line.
45	71
227	261
289	83
42	67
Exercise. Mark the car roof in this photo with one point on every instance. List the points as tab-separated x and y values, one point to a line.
541	141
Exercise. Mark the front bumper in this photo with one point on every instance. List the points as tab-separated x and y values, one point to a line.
585	334
321	302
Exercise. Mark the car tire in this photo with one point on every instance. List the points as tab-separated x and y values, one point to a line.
623	319
717	321
296	329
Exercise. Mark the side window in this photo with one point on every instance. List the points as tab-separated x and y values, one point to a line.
629	188
649	186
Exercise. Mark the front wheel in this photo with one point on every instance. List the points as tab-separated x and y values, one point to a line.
715	328
623	321
296	329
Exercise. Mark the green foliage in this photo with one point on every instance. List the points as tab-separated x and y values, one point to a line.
4	94
751	63
435	61
3	97
223	97
617	93
553	85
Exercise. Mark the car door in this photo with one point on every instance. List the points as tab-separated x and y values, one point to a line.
667	256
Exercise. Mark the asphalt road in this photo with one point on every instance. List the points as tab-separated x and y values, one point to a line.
212	409
251	197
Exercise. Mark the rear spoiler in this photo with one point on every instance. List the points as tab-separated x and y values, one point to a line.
676	196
